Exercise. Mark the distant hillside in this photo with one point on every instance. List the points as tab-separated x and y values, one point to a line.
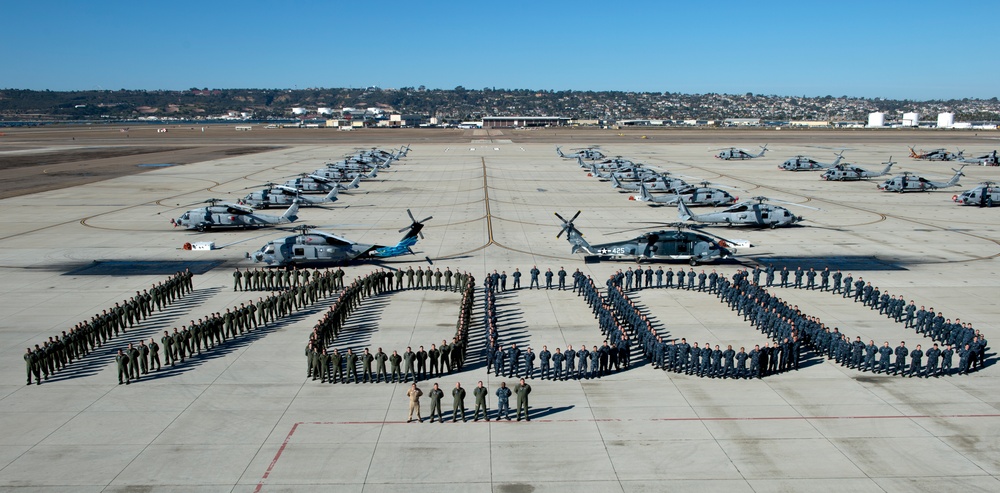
464	104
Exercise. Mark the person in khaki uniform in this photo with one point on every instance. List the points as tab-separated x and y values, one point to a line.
414	394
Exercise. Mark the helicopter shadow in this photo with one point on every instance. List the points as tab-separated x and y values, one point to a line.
162	320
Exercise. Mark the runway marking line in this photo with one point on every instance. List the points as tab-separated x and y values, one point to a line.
295	426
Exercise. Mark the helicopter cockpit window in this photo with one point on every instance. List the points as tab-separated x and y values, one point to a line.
269	249
741	208
186	216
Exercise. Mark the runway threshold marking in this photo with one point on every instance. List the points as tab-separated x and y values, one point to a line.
486	200
295	426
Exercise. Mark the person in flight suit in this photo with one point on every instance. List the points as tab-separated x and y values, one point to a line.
436	394
480	393
458	402
522	390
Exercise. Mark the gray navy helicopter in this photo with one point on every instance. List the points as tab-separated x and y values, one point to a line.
663	182
614	163
910	182
752	212
672	244
734	153
985	195
589	153
850	172
637	173
988	159
220	214
692	195
941	154
307	183
802	163
282	195
312	246
339	175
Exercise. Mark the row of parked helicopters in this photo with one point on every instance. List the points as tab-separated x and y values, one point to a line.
657	187
982	195
689	242
309	245
300	191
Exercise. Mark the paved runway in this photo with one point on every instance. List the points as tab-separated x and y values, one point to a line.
245	417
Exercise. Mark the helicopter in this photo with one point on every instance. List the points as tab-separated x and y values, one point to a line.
614	163
637	173
935	154
985	195
220	214
850	172
311	246
802	163
752	212
663	182
988	159
283	195
691	195
334	174
589	153
673	244
733	153
909	182
371	158
307	183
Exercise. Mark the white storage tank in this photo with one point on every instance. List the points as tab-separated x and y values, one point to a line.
911	119
946	120
299	111
876	119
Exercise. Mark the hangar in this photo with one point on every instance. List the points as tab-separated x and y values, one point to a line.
524	121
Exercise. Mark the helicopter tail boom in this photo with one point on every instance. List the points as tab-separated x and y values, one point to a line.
291	215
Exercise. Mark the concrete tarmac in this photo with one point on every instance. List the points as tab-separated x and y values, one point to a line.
244	417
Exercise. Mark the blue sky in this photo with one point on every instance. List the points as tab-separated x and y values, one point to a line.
891	49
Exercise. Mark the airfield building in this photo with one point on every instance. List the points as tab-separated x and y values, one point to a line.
524	121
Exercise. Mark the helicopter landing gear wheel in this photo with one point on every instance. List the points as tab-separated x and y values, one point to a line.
201	228
692	261
774	225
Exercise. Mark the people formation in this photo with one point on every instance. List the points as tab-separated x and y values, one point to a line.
624	326
330	365
58	352
480	394
610	355
219	329
790	329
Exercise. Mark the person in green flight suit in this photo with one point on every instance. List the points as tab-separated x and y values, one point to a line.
458	402
366	366
480	393
380	371
436	394
122	360
522	390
